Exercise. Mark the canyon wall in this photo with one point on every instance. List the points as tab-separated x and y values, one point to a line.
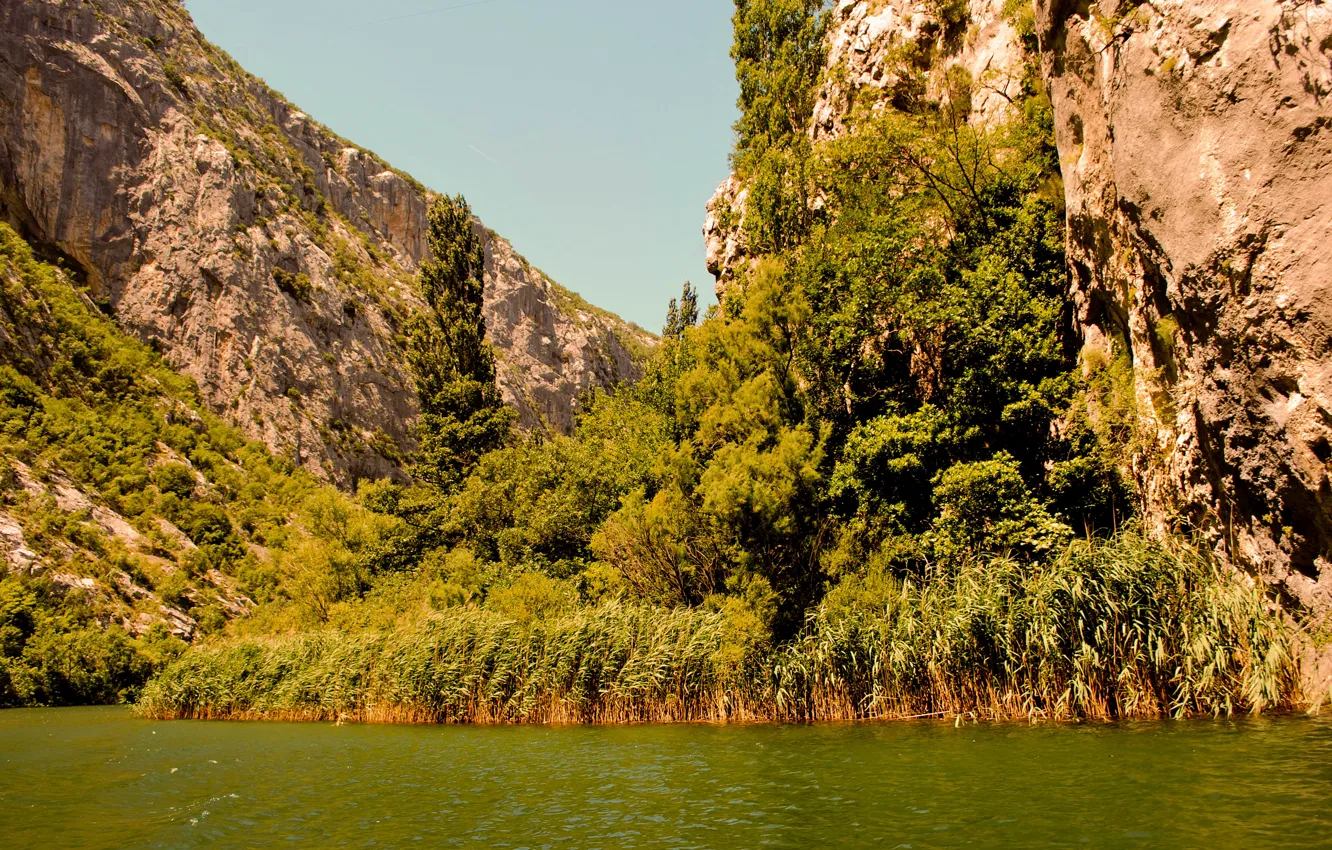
1195	143
266	257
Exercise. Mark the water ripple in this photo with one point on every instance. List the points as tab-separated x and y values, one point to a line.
96	778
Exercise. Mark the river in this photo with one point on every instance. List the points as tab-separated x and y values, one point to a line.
99	778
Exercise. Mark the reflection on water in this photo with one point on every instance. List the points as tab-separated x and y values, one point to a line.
99	778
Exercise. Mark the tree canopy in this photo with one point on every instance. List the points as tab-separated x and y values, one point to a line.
462	413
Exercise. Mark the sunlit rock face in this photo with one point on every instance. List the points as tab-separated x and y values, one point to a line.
876	51
1195	142
880	56
267	258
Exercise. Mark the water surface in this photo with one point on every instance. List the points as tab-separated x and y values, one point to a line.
98	778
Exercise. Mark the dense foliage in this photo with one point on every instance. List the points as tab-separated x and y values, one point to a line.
120	495
779	55
875	482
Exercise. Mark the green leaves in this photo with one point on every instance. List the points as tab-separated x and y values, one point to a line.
466	418
779	54
986	506
54	652
536	505
886	466
462	413
682	314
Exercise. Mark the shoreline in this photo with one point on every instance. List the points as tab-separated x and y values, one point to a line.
420	717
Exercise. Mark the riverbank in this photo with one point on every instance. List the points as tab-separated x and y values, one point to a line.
1094	636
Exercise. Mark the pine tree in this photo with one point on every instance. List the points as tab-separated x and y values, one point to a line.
462	413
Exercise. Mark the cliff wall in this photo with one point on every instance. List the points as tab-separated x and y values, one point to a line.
1195	141
268	258
1195	144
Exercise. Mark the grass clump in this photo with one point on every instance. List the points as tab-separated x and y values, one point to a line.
615	663
1117	629
295	284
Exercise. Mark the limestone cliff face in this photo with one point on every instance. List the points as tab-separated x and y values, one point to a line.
269	259
552	344
1195	142
881	55
889	54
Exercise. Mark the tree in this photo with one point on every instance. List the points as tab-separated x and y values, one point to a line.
462	413
779	54
682	314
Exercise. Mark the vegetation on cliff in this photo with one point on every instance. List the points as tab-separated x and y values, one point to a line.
127	509
874	483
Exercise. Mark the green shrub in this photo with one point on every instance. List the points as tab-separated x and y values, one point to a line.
175	478
531	597
295	284
54	652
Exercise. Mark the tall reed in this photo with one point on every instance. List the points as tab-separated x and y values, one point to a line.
611	664
1120	629
1107	630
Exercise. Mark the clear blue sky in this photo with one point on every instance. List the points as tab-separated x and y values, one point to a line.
590	133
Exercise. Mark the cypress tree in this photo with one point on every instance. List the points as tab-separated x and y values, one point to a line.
681	314
462	413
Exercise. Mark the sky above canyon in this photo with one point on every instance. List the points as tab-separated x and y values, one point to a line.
590	133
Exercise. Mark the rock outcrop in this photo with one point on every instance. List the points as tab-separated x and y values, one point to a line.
266	257
1195	142
723	233
887	55
893	54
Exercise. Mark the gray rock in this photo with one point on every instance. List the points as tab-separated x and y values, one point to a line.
269	259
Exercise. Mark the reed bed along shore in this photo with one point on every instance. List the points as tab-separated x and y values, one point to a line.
1105	631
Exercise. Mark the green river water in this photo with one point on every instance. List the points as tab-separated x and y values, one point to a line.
100	778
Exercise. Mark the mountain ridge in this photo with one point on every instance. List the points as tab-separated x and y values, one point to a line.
264	255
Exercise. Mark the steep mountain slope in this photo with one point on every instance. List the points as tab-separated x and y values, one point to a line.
1197	166
93	551
265	256
132	518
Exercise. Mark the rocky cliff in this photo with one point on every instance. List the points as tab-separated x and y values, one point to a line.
266	257
883	55
1195	143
